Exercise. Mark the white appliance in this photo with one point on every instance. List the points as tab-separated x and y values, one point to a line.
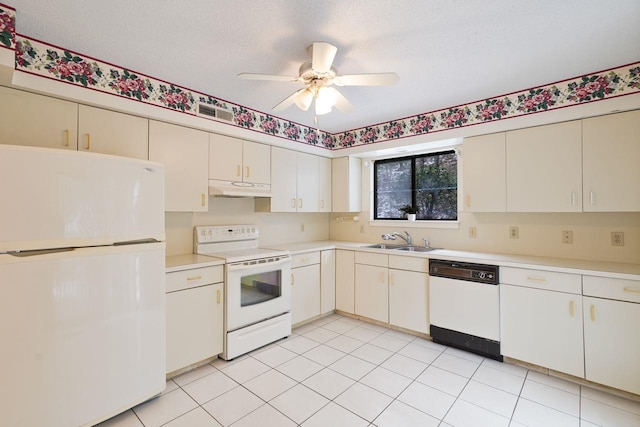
82	321
464	306
257	286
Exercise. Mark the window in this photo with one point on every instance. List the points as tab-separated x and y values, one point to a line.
427	181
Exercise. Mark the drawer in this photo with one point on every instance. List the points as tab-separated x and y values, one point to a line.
541	279
368	258
606	287
309	258
192	278
409	263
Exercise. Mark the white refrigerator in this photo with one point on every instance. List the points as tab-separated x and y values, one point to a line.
82	309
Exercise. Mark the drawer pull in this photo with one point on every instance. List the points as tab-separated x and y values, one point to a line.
248	171
632	290
592	313
293	280
300	203
572	309
66	137
238	170
573	198
218	295
592	198
293	203
203	199
191	278
392	280
88	146
536	279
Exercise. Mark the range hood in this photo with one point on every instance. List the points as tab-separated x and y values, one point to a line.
238	189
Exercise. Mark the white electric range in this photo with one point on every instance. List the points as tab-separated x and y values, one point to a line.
257	286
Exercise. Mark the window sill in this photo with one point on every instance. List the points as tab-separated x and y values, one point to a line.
415	224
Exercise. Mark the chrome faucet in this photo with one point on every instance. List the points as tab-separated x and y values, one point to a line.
426	242
406	239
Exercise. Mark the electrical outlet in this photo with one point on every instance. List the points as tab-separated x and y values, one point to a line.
514	232
301	227
617	238
567	236
473	232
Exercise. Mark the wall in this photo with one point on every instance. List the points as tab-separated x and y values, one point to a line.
540	234
275	228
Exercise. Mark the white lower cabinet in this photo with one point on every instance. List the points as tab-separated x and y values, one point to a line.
541	326
611	339
409	293
327	281
372	286
305	286
345	276
194	316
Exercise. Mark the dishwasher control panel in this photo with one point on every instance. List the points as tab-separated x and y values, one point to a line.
481	273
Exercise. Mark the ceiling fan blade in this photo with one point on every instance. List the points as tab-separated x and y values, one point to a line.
288	101
341	103
322	55
375	79
271	77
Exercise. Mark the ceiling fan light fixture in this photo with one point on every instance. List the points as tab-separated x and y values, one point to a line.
303	99
322	106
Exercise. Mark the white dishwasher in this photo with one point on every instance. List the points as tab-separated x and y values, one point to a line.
464	306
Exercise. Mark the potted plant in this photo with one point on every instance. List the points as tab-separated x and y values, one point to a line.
410	212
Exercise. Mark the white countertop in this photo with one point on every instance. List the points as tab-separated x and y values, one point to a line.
576	266
188	261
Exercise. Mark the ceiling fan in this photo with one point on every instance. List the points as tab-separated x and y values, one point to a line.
318	76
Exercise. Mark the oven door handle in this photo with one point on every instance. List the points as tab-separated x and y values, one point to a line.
241	266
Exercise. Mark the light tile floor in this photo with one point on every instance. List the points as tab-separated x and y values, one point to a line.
338	371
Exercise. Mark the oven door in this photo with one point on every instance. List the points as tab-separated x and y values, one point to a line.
256	292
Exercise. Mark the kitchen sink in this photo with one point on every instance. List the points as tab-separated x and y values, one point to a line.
385	246
415	249
400	247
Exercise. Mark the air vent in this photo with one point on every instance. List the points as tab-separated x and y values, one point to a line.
218	113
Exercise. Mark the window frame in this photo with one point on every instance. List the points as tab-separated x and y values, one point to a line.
413	158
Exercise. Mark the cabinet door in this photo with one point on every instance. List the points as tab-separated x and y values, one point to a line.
544	168
108	132
305	293
307	177
225	158
327	281
543	328
185	155
346	184
194	321
409	300
283	180
372	292
38	121
612	343
611	154
484	173
345	276
257	162
324	184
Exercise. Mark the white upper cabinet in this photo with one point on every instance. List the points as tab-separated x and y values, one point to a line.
484	173
346	184
232	159
108	132
294	183
324	184
544	168
185	155
611	163
39	121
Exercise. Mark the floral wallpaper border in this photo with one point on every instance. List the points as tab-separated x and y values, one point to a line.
42	59
7	26
601	85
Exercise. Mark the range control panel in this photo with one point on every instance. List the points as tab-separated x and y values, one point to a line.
225	233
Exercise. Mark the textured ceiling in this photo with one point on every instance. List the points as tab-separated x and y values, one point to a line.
446	52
